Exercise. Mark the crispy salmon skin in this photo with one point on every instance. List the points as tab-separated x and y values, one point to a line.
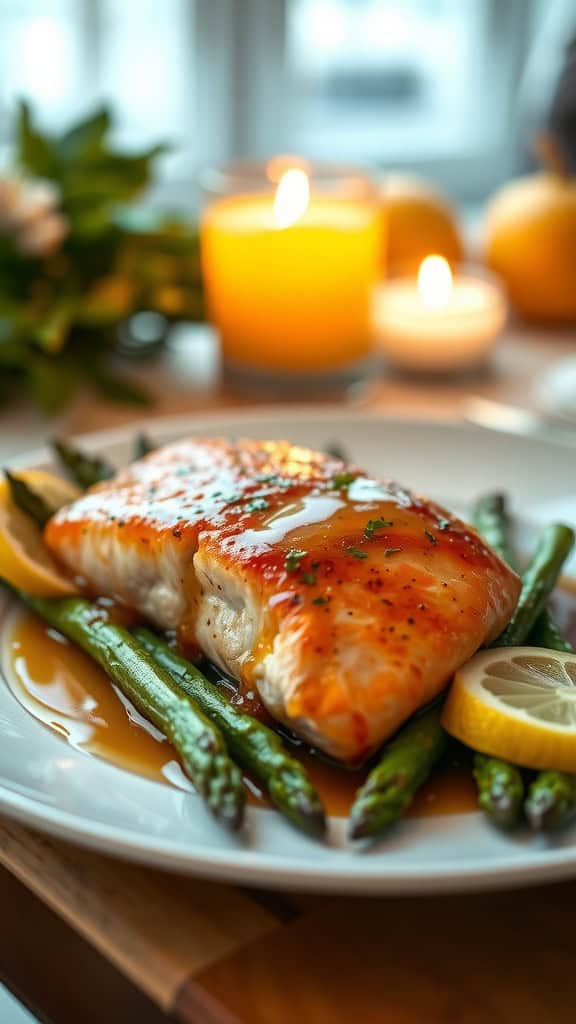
346	601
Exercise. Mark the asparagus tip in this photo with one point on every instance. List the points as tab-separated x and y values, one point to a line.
538	809
358	828
302	806
230	813
365	822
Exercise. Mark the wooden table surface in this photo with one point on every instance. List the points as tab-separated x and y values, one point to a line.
85	938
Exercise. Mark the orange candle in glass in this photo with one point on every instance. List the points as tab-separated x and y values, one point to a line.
290	264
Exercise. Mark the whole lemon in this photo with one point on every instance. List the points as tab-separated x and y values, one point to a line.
530	240
418	222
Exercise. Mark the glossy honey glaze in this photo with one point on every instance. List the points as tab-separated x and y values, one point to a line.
64	689
358	579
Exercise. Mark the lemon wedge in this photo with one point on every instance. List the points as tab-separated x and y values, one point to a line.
25	562
519	704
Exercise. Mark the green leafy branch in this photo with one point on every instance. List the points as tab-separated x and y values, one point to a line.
59	314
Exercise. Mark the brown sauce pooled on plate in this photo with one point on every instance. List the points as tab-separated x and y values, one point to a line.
64	689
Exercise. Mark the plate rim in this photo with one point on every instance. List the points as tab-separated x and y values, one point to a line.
264	413
258	870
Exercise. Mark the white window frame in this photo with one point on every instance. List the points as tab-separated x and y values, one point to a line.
239	88
255	99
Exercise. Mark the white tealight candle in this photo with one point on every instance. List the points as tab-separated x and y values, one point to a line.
438	323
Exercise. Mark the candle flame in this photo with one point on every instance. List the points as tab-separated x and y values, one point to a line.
291	198
278	165
434	282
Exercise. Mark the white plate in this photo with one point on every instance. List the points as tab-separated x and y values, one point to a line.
51	786
555	389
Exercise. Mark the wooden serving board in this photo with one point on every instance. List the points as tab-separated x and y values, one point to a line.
86	938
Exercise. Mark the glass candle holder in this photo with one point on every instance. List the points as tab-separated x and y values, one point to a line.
438	322
291	255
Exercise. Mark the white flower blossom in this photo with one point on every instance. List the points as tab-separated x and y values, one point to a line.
29	212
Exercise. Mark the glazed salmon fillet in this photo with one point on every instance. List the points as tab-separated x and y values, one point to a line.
345	601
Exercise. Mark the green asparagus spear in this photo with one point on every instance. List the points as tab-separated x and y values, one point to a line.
255	747
551	800
500	790
546	633
490	517
500	785
28	500
84	469
153	691
404	765
142	446
539	579
393	783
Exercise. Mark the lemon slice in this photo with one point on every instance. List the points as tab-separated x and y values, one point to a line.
517	703
25	562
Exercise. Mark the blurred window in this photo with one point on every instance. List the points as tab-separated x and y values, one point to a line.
66	55
387	79
41	57
427	85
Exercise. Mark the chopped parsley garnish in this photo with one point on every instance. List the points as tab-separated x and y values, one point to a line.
340	480
376	524
430	536
266	478
257	505
356	553
320	600
309	578
442	523
391	551
293	560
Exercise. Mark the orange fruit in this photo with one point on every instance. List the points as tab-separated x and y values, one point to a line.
530	241
418	221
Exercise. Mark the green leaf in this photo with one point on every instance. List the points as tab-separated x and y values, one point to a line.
51	382
120	389
52	331
35	152
12	382
113	178
86	139
88	220
12	346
